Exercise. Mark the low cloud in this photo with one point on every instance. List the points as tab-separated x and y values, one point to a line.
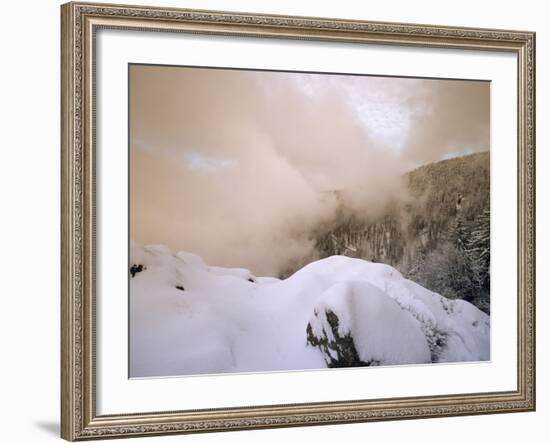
237	166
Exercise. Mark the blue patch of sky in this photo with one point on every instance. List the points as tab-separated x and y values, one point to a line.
199	161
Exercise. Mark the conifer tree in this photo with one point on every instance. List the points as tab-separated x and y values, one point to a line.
479	251
458	233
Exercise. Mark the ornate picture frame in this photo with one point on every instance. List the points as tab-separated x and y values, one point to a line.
80	23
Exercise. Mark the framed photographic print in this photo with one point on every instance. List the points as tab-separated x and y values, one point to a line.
283	221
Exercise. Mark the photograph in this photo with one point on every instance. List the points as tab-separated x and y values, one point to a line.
285	220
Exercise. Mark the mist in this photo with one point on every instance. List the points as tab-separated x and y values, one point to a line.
238	166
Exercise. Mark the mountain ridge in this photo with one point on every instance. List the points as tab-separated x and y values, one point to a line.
441	199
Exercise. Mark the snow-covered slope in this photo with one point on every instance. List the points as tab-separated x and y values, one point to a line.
190	318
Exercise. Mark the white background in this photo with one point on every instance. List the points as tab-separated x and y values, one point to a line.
29	183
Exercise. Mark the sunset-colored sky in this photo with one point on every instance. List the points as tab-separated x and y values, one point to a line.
234	165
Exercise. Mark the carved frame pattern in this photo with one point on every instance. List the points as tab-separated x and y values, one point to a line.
79	23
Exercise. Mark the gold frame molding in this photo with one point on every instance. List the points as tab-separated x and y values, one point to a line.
79	22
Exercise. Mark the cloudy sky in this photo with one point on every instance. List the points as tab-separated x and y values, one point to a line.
235	165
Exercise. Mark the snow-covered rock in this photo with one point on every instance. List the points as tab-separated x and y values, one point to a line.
190	318
382	332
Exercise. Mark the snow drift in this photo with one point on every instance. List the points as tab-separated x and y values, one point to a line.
190	318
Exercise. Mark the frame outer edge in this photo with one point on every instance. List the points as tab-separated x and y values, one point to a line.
68	428
532	199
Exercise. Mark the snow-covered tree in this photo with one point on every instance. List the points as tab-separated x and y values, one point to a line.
479	251
459	234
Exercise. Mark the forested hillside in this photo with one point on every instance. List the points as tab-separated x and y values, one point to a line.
437	234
